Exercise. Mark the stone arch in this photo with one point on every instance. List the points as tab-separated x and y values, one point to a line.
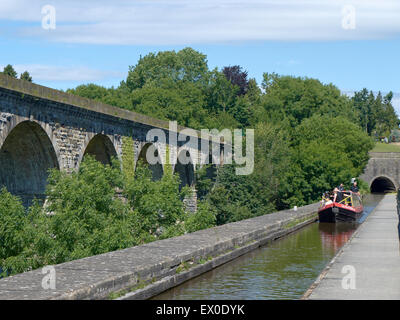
26	155
382	184
11	121
185	171
101	148
156	169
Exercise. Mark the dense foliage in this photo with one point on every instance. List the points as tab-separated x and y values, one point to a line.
87	214
376	114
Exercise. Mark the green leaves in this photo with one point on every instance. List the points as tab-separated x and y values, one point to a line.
376	114
12	222
186	65
9	71
158	203
204	218
296	99
330	151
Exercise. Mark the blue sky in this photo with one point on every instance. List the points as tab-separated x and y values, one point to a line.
96	41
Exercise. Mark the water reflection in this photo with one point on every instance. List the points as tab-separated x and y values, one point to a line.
335	235
283	269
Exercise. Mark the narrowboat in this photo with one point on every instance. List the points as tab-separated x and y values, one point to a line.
347	207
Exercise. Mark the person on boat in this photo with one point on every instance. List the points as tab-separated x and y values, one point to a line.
326	198
340	190
354	188
335	194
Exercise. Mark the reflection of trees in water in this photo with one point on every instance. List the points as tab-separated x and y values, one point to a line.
335	235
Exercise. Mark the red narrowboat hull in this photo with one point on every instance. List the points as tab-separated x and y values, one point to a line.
339	212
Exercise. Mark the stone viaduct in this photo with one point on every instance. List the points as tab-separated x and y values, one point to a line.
382	172
42	128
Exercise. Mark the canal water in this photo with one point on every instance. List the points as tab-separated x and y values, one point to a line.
281	270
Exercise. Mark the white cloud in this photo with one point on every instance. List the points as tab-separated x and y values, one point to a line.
148	22
40	72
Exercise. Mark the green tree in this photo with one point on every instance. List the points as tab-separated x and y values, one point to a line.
9	71
184	65
205	217
376	114
119	97
294	99
158	204
26	76
329	151
12	224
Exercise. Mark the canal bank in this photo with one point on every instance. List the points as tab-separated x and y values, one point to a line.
368	266
143	271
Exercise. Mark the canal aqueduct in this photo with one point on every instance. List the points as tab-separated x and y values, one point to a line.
42	128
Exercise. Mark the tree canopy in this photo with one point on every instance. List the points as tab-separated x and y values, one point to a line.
9	71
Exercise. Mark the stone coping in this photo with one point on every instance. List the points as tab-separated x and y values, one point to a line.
384	154
99	276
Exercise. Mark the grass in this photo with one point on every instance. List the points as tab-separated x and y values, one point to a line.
386	147
184	266
296	222
140	285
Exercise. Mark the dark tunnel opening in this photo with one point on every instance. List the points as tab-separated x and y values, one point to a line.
382	185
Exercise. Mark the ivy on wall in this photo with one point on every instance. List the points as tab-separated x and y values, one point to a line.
168	165
128	156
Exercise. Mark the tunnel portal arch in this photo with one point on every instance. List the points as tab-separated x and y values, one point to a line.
382	184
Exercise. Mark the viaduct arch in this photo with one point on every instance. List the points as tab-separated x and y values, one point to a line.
26	155
156	169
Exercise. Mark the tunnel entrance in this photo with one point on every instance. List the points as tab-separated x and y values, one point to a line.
101	148
156	169
25	158
382	185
